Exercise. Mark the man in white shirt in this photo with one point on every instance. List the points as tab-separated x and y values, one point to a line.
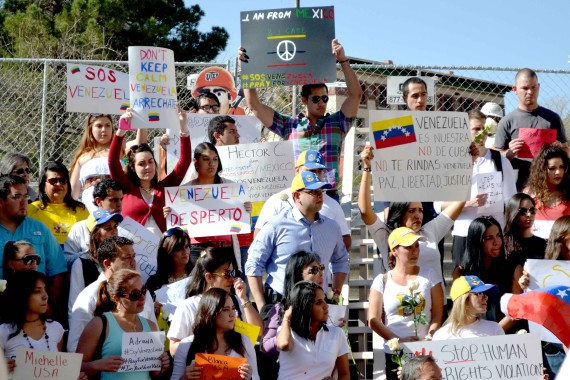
114	254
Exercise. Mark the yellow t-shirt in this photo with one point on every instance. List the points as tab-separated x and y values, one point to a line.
57	217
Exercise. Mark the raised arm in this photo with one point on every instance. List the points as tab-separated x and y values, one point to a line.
350	106
261	111
181	167
454	209
285	337
364	201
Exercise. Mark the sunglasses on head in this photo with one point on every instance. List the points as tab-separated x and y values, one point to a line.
96	115
227	274
317	98
22	171
29	260
140	148
134	295
315	269
55	181
172	231
523	211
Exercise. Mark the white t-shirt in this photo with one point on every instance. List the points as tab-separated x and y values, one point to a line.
433	232
54	332
313	360
399	318
275	204
479	328
179	364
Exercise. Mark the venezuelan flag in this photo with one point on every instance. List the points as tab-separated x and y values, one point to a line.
394	132
153	116
236	228
124	106
75	69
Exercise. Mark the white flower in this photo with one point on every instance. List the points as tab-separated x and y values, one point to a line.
3	285
413	285
165	314
522	331
283	196
490	125
330	294
393	344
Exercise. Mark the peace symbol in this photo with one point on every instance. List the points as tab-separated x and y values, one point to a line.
286	50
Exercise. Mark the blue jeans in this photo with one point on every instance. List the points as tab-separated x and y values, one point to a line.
553	354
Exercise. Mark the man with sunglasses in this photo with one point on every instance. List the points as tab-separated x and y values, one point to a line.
301	228
115	253
15	225
308	161
314	129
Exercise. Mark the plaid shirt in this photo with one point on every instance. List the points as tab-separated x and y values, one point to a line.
326	137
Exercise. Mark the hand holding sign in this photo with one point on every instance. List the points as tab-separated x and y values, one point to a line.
222	367
534	139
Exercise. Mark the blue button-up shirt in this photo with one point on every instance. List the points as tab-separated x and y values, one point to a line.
44	243
288	233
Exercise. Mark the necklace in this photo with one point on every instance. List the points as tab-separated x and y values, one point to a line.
172	279
148	191
45	336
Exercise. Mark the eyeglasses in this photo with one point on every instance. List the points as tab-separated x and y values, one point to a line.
140	148
21	171
234	273
523	211
29	260
172	231
19	197
55	181
317	98
480	295
209	108
314	193
134	295
315	269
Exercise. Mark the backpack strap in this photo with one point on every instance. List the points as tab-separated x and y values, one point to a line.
99	349
496	157
90	271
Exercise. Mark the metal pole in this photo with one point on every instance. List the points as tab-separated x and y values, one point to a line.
44	117
294	93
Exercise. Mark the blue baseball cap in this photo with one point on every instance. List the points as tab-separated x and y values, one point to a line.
309	181
470	284
311	159
101	216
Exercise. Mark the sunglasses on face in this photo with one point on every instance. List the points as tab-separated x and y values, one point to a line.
315	269
317	98
55	181
29	260
22	171
523	211
234	273
134	295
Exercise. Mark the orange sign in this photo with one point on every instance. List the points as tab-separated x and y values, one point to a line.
219	366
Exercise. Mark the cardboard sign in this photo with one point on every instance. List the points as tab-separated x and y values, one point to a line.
395	94
209	210
534	139
141	351
219	366
145	246
152	85
35	364
517	356
249	129
420	156
492	185
287	47
96	89
247	329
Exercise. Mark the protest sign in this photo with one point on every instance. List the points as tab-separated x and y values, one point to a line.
141	351
492	185
249	129
171	294
517	356
290	46
96	89
336	312
145	245
395	94
209	210
534	139
420	156
34	364
219	366
152	87
247	329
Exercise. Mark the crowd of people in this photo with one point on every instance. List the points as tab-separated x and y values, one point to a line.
73	283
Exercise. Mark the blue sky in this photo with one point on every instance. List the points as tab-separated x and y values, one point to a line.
498	33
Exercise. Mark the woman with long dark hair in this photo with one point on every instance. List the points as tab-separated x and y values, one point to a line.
55	206
214	334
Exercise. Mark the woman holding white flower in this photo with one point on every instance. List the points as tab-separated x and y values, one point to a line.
411	297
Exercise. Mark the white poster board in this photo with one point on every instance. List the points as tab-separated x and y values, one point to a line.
209	210
249	129
96	89
517	356
141	351
171	294
145	245
152	86
35	364
395	94
492	185
420	156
